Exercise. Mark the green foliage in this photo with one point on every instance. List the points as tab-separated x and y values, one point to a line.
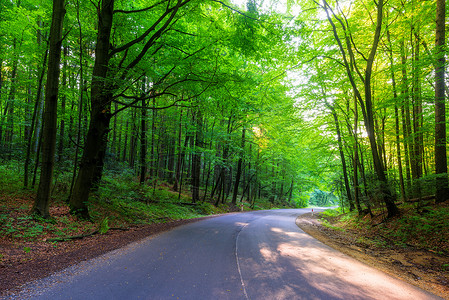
322	198
11	173
141	204
104	226
24	226
331	212
326	223
433	224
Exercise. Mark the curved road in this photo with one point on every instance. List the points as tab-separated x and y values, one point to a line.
256	255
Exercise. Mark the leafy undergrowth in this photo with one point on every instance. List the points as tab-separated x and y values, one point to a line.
425	228
124	210
120	202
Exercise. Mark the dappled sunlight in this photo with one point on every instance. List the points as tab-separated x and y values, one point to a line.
242	224
292	265
268	255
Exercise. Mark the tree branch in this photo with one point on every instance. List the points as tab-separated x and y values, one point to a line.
139	10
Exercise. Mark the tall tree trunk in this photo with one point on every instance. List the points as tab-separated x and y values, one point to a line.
100	112
63	104
417	119
405	112
342	155
239	168
367	105
153	161
396	116
356	159
34	122
179	160
125	144
9	109
196	161
143	140
41	204
442	191
133	140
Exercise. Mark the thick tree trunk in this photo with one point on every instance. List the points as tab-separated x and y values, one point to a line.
41	204
100	113
442	191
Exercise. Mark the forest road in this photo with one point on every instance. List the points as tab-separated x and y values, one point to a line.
255	255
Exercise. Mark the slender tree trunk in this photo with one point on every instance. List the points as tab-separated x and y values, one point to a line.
33	120
179	160
417	117
239	169
356	159
367	104
396	116
143	140
125	146
9	109
63	104
41	204
442	191
405	111
342	155
196	163
133	141
153	162
37	159
80	121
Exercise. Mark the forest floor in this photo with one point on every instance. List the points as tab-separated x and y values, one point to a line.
22	261
421	267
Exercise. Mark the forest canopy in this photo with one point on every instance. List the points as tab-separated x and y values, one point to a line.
295	102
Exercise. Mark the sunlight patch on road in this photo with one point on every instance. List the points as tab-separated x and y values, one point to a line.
241	224
268	255
318	263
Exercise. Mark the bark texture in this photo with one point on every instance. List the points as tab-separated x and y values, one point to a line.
41	204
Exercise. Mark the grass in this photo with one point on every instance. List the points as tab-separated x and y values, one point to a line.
326	223
427	228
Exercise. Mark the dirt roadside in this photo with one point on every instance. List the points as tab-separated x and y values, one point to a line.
42	259
419	267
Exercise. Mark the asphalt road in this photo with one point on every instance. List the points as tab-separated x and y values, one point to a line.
256	255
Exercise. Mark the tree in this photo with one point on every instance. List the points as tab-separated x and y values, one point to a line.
442	190
41	204
366	102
